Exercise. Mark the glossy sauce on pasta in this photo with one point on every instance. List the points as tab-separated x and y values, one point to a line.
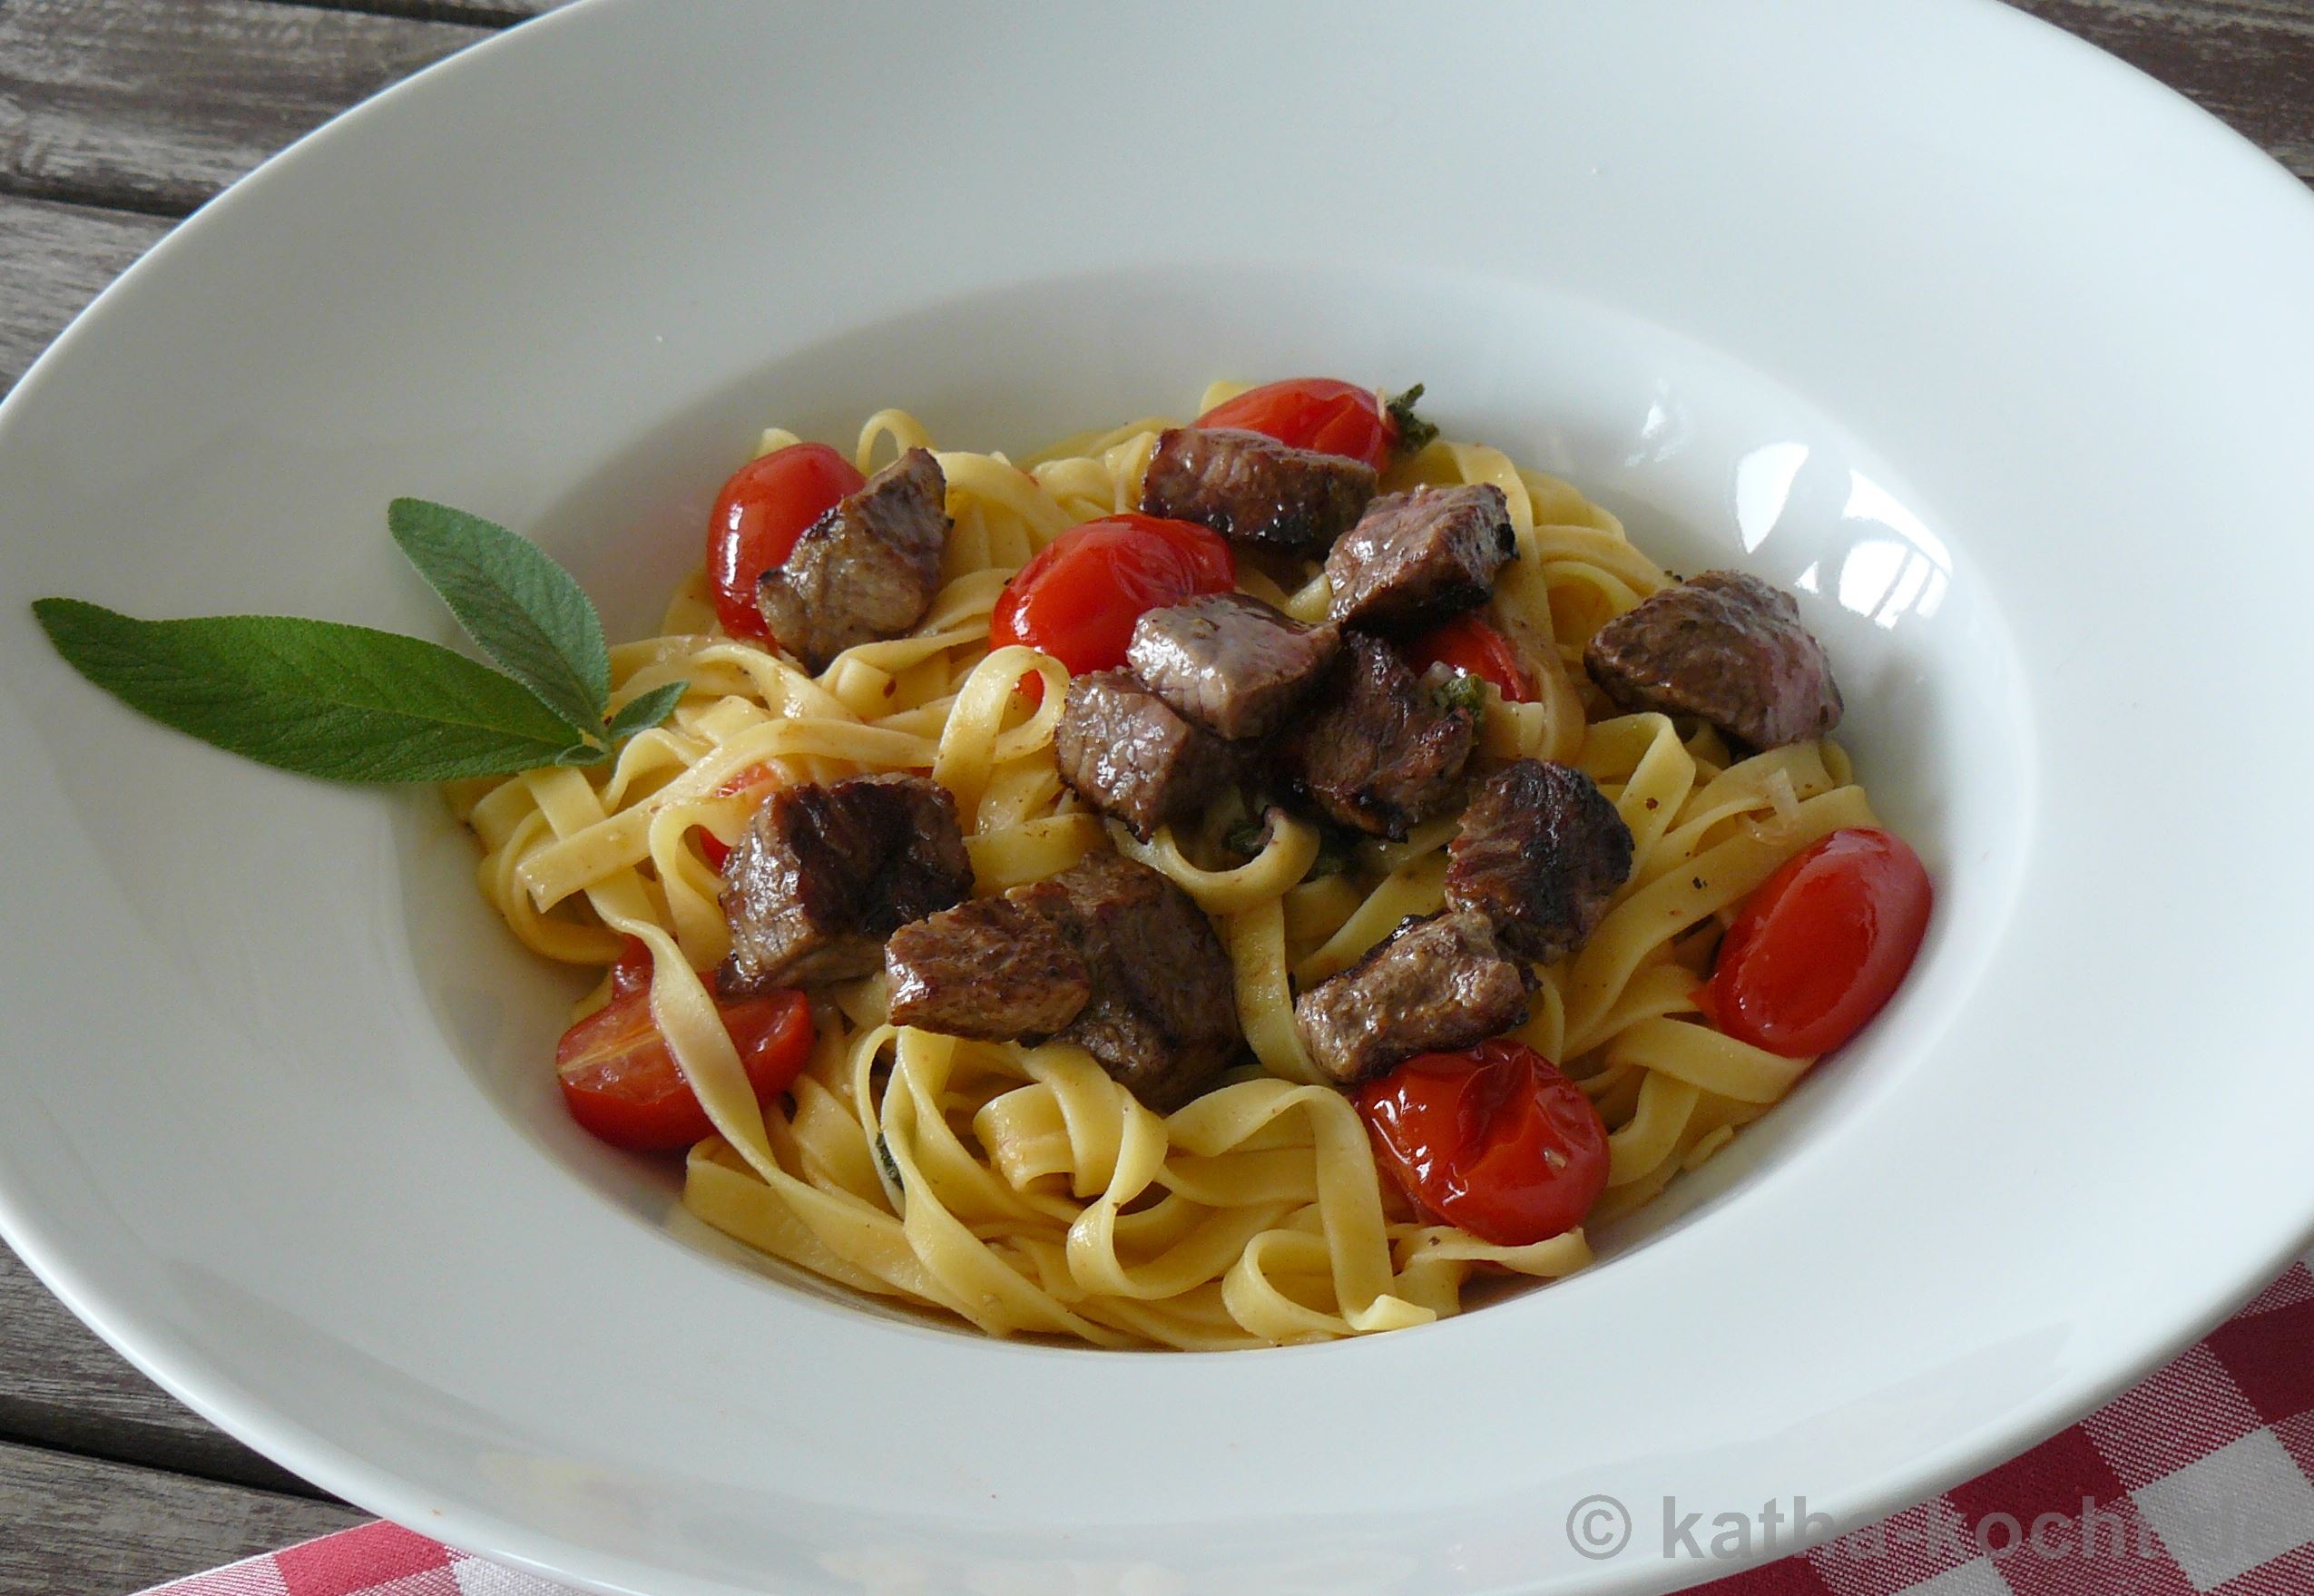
1020	1188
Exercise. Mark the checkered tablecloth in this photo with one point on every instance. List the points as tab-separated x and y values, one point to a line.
2199	1479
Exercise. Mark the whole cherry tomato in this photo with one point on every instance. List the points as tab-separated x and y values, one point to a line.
1470	645
759	515
1078	596
1321	414
1822	944
622	1085
1493	1139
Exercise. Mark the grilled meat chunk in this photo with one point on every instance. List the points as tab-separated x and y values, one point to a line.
823	875
1381	753
1540	853
1724	647
989	969
1255	489
1232	664
1416	558
1438	983
1162	1018
1128	754
866	570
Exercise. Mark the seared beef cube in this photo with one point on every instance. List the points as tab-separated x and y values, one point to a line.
1437	984
1383	754
1255	489
866	570
1540	853
823	875
1127	754
988	969
1416	558
1726	648
1232	663
1164	1016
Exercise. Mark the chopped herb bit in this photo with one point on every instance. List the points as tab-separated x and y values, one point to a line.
1463	691
1330	860
1247	838
1414	433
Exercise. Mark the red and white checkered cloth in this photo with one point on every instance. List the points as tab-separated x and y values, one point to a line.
2199	1481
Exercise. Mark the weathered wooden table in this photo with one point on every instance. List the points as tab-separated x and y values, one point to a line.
117	118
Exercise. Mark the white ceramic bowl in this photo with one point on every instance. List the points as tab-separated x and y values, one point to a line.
1994	348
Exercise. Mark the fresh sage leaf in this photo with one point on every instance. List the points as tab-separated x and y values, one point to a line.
321	699
521	609
643	714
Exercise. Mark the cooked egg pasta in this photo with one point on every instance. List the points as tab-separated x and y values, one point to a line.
1021	1188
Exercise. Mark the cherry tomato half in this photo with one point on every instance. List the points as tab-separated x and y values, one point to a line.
1470	645
1493	1139
712	847
759	515
622	1085
1314	413
1077	597
1822	944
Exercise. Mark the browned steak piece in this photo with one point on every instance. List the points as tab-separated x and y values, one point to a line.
866	570
1436	985
1416	558
1540	853
1255	489
1381	752
1125	752
823	875
989	969
1724	647
1230	662
1164	1016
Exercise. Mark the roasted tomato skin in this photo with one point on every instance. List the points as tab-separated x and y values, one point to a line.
1471	646
622	1085
762	510
1493	1139
1823	945
1077	597
1318	413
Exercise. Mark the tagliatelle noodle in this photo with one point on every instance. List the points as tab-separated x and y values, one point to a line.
1020	1188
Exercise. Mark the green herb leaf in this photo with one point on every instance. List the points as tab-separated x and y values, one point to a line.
520	607
321	699
643	714
1415	434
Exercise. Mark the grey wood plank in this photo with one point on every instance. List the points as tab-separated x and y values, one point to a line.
62	1388
58	257
100	1528
156	108
2250	62
487	13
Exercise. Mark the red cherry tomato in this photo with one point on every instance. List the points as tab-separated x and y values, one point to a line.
1077	597
1493	1139
1470	645
714	848
757	517
1314	413
622	1085
1820	945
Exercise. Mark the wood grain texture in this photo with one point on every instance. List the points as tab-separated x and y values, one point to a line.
59	257
2250	62
118	115
62	1388
78	1525
156	107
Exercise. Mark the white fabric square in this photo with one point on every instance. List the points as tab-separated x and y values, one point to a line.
2241	1506
477	1577
1979	1578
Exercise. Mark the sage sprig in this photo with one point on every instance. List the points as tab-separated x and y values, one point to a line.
349	703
